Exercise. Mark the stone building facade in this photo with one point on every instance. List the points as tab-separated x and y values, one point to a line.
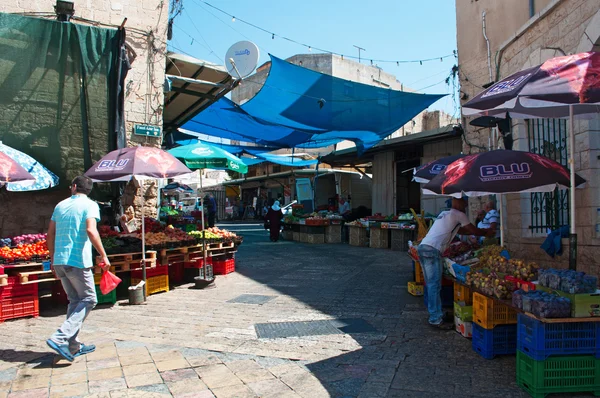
522	34
146	29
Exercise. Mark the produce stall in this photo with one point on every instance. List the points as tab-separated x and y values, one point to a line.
313	228
548	318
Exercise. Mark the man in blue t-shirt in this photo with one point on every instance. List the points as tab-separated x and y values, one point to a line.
71	234
491	219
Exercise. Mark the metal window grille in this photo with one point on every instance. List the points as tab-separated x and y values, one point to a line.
549	137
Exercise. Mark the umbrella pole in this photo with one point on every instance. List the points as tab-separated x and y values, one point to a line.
501	206
143	250
573	232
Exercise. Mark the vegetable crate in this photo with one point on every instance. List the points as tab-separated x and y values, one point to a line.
446	295
463	312
151	272
562	374
463	293
415	289
15	289
224	267
154	284
489	313
198	263
540	340
464	328
190	273
583	305
501	340
19	307
419	278
109	298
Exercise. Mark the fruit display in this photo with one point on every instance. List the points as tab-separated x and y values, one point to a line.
122	244
568	281
459	251
491	284
6	242
542	304
30	238
107	232
25	252
207	235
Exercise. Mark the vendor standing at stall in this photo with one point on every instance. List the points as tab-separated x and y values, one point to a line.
437	240
344	208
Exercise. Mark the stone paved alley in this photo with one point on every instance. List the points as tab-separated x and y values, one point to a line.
190	343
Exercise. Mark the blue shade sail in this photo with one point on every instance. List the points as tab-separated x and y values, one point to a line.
298	107
284	160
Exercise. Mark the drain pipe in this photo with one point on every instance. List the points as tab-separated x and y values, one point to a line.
492	137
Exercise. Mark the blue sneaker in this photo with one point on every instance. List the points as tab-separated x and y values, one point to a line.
84	349
62	350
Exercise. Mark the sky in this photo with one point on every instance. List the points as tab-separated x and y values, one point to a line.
389	30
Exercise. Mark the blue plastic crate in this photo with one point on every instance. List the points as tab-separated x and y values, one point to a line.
501	340
541	340
447	294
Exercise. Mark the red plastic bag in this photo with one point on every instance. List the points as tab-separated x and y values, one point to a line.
109	282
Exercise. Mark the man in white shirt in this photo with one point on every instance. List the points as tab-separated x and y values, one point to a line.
439	237
491	219
344	207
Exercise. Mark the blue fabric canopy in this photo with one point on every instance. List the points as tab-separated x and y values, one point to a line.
297	106
282	160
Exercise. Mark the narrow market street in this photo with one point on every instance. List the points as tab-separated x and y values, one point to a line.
202	343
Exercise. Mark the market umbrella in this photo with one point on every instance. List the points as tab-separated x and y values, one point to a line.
424	174
560	87
205	156
202	155
500	172
11	171
140	162
43	177
176	187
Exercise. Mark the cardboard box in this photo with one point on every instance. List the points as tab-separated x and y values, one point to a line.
464	328
463	312
415	289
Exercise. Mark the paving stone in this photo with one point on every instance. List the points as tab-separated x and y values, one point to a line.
216	376
105	374
237	391
158	388
35	393
243	366
133	370
70	390
196	394
254	375
186	386
374	390
136	359
143	379
69	378
273	388
97	386
103	363
8	374
179	363
169	355
129	351
30	383
204	360
67	368
101	354
179	374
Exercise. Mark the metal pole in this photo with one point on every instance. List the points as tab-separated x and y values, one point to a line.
143	250
501	207
573	232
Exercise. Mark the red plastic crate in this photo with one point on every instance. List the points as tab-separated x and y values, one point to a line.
58	294
15	289
151	272
224	267
199	263
19	307
176	272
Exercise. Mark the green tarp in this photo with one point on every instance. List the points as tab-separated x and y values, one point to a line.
57	91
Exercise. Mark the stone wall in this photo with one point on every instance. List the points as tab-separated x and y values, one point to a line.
146	29
563	26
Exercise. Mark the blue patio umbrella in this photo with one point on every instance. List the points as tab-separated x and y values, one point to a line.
44	178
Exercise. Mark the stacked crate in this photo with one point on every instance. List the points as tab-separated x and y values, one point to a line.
416	287
194	268
463	310
18	300
109	298
494	327
561	357
157	279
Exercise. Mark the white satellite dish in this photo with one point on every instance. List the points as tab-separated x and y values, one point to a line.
241	59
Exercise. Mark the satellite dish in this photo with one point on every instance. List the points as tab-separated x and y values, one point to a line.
241	59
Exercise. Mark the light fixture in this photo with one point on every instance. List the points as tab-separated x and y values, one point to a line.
232	19
64	9
273	36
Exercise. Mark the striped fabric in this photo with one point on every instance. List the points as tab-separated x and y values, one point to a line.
72	245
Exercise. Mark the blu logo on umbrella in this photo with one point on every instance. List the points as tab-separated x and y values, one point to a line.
498	172
437	169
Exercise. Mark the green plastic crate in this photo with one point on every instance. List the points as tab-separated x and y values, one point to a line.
560	374
109	298
463	312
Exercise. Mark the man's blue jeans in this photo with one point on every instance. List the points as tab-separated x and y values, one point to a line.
81	292
431	262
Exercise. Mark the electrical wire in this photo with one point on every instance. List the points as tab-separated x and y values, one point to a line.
310	47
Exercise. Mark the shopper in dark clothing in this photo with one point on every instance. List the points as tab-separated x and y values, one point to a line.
273	221
211	208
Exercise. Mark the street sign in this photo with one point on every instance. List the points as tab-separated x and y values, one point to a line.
146	130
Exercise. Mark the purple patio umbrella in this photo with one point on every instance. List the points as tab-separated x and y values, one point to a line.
424	174
561	87
140	162
11	171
